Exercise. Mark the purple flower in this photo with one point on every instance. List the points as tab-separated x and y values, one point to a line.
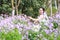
51	30
27	28
51	20
55	30
47	31
57	15
51	25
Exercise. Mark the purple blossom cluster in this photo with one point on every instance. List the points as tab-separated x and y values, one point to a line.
55	18
9	23
23	24
50	25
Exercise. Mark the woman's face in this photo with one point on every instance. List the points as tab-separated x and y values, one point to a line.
41	11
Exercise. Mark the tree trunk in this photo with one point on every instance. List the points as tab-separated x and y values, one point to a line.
17	2
55	4
13	8
59	6
16	7
13	12
16	10
51	7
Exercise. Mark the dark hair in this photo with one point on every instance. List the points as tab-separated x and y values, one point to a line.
42	8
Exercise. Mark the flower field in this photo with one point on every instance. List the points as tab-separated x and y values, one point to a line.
22	28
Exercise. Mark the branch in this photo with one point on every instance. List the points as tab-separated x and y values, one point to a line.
12	1
18	3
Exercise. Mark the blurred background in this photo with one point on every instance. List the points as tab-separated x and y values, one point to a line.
16	25
28	7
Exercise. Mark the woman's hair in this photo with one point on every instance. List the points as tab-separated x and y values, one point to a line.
42	8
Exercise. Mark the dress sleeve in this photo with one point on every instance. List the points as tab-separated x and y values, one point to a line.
46	17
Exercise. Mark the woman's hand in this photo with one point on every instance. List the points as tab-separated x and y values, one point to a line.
33	19
30	17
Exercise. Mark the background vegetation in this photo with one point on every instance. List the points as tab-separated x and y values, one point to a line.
28	7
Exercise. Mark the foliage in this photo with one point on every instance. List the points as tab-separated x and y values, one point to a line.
28	7
58	38
11	35
40	35
32	35
55	24
29	30
31	7
5	7
54	10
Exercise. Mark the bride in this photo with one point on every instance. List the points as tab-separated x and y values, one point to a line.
42	16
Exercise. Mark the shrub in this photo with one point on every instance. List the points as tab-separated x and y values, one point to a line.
11	35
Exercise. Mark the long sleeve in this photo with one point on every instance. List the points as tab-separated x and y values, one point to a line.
45	15
46	18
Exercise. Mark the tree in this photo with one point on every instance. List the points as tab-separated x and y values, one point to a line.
13	8
5	7
28	7
58	5
15	5
31	7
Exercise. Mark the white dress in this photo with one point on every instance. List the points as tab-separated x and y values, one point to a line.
43	18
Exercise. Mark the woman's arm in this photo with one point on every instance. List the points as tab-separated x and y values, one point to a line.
33	19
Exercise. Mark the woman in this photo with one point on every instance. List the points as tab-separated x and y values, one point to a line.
42	16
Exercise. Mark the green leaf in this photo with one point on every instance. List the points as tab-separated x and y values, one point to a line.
55	25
